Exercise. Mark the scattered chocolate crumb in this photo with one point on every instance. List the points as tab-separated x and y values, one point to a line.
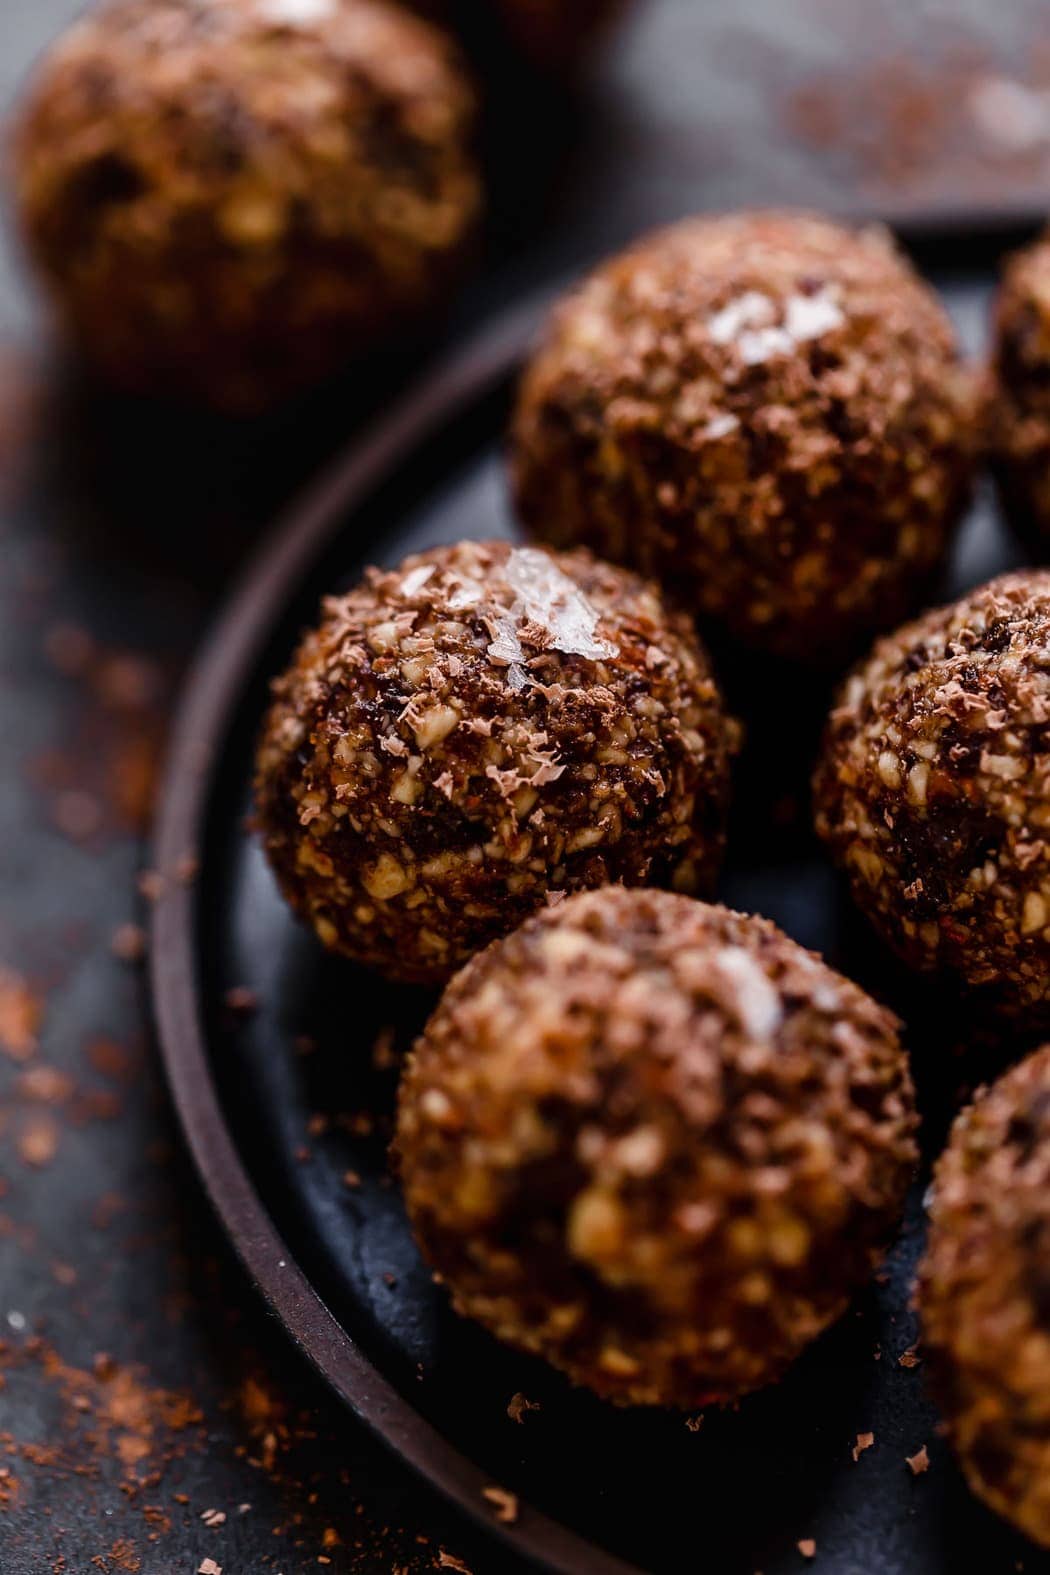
21	1013
505	1504
78	815
695	1423
351	1179
151	885
807	1547
45	1085
209	1567
68	648
128	943
864	1441
38	1141
518	1405
448	1561
241	1000
214	1517
384	1056
909	1358
112	1059
919	1462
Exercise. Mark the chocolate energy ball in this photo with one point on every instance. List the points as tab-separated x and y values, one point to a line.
933	793
1020	407
228	199
478	728
984	1294
763	410
655	1142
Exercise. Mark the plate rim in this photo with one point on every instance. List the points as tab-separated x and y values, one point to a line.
224	664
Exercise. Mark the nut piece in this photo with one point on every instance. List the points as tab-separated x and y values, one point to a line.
766	412
1020	407
933	793
669	1144
475	729
229	199
984	1294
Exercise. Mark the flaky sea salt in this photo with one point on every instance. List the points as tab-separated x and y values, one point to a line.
812	316
720	426
416	578
543	595
297	13
752	309
756	1000
750	323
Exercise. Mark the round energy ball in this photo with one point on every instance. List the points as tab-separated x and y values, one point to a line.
656	1143
478	728
1019	414
933	793
230	199
984	1294
764	411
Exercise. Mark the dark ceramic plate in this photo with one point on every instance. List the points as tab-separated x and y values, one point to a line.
600	1490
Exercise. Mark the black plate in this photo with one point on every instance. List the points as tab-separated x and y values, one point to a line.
600	1490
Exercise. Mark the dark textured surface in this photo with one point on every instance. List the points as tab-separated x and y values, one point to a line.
124	524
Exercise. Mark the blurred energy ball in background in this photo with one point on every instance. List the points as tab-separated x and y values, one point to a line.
228	200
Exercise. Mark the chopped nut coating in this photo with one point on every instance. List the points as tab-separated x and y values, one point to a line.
764	411
933	793
1020	405
477	729
655	1142
984	1294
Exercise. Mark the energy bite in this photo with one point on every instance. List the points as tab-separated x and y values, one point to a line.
1020	407
984	1294
229	199
655	1142
478	728
766	412
933	793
